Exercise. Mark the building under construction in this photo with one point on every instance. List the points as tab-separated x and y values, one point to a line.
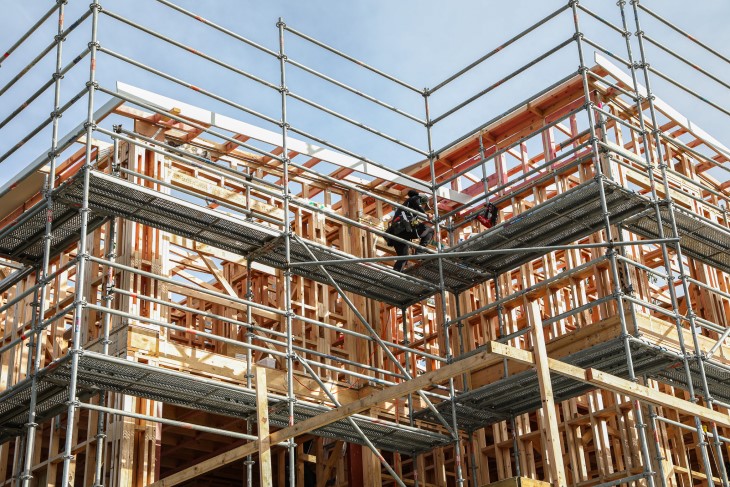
191	298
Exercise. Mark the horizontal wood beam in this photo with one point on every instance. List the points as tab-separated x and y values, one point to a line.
421	382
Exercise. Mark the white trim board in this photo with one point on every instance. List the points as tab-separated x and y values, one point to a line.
275	138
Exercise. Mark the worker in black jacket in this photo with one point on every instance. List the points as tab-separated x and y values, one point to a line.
407	226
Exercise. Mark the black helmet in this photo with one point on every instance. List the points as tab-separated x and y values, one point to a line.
412	192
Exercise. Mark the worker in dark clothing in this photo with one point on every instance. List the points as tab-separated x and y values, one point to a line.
406	225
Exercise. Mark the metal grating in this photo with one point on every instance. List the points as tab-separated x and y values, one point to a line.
700	239
520	392
99	372
368	279
23	240
562	219
115	197
718	378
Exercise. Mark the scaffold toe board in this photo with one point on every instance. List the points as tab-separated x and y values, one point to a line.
111	196
97	372
563	219
699	237
22	241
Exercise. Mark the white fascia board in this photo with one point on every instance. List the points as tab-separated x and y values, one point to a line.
62	145
663	107
275	138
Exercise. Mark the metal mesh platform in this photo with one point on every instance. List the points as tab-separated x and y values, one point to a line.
111	196
23	241
520	393
561	220
700	239
100	372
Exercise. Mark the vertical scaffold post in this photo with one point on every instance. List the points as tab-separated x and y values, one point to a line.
79	306
42	273
287	251
111	254
640	427
505	368
249	355
406	362
662	164
442	291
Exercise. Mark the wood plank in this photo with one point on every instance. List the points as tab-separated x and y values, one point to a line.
218	275
238	200
262	416
552	433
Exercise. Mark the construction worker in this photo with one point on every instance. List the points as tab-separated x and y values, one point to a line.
406	225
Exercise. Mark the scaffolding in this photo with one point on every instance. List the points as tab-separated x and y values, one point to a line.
198	266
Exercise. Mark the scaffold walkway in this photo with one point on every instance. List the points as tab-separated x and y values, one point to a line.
563	219
99	372
520	392
112	196
699	237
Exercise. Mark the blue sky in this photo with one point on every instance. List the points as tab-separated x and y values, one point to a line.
421	42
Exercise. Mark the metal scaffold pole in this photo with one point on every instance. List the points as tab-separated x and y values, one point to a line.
110	242
611	252
442	291
80	298
698	356
287	251
249	371
505	368
407	360
42	273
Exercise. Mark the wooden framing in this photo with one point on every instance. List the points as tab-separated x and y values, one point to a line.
550	308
